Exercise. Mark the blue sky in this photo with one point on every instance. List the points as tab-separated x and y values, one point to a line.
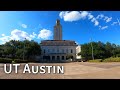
77	25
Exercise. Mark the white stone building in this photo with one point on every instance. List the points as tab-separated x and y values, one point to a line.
59	49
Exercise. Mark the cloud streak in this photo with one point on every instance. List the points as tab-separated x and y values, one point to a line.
71	16
102	28
77	15
105	18
116	23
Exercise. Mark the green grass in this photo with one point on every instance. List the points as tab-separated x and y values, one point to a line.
111	59
95	60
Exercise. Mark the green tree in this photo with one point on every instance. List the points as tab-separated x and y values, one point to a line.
32	49
16	49
100	50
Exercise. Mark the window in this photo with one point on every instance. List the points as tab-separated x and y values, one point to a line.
48	50
71	51
53	50
66	50
58	57
58	50
44	50
62	50
62	57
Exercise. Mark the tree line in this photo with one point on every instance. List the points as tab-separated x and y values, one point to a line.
100	50
26	50
23	50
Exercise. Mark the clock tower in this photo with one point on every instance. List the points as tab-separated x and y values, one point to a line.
58	31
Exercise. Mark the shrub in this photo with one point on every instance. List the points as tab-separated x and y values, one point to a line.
13	61
5	60
118	55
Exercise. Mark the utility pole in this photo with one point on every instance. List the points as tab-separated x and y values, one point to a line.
92	50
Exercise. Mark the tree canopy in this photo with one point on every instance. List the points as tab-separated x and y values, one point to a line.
20	49
100	50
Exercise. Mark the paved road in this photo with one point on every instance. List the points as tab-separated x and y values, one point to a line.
76	70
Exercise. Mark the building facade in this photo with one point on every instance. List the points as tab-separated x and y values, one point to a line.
58	49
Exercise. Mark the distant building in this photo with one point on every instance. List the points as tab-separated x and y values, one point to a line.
59	49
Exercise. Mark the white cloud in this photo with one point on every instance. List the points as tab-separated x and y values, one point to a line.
17	35
73	15
104	27
100	16
22	35
24	25
107	19
90	16
77	15
116	23
95	21
3	35
44	34
33	35
4	39
84	14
